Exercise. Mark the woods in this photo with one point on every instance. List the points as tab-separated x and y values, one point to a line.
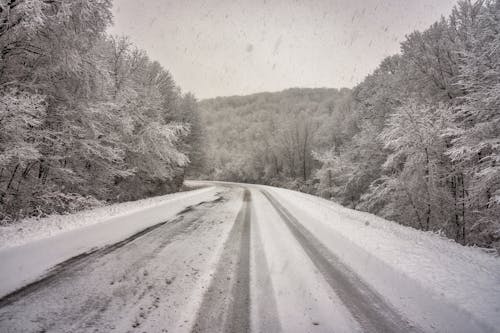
270	137
418	141
86	118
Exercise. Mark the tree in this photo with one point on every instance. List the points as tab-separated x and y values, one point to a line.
85	118
475	131
413	135
194	142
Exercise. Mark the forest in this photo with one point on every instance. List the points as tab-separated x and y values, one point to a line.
86	118
417	142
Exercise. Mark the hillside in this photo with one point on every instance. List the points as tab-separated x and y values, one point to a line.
269	137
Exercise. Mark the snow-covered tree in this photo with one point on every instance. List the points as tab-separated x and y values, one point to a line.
413	135
436	107
195	148
476	130
85	117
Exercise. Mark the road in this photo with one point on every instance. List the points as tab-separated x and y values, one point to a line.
241	262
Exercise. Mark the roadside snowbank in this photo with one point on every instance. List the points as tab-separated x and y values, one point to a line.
31	229
409	267
40	247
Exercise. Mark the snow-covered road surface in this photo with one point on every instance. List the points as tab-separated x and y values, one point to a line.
241	258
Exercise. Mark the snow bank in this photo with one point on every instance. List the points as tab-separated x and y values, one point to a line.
435	281
30	229
41	244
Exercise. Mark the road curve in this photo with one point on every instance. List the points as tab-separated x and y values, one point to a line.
239	263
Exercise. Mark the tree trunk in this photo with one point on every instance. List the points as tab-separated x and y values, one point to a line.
428	212
419	219
40	169
454	188
329	184
464	193
12	176
27	170
304	156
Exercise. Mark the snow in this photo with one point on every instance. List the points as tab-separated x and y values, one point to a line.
31	229
436	282
303	297
154	283
40	246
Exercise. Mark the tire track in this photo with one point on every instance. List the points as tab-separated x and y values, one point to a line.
168	230
71	266
266	317
226	304
367	307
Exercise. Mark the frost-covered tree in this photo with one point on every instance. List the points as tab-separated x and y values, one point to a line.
435	164
195	147
476	130
85	118
413	137
21	117
347	172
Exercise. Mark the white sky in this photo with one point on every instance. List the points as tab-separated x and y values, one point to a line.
237	47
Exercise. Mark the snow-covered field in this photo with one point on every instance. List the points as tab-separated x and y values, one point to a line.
309	265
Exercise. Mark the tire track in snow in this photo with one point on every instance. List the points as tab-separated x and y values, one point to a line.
367	307
265	318
226	304
86	310
176	225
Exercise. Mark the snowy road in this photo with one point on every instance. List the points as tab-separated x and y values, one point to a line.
260	259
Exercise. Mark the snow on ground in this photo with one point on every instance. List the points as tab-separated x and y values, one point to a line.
436	282
154	283
43	247
304	301
30	229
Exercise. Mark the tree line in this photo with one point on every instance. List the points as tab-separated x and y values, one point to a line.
269	137
417	142
85	118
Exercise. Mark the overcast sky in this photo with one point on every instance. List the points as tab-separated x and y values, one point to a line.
237	47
